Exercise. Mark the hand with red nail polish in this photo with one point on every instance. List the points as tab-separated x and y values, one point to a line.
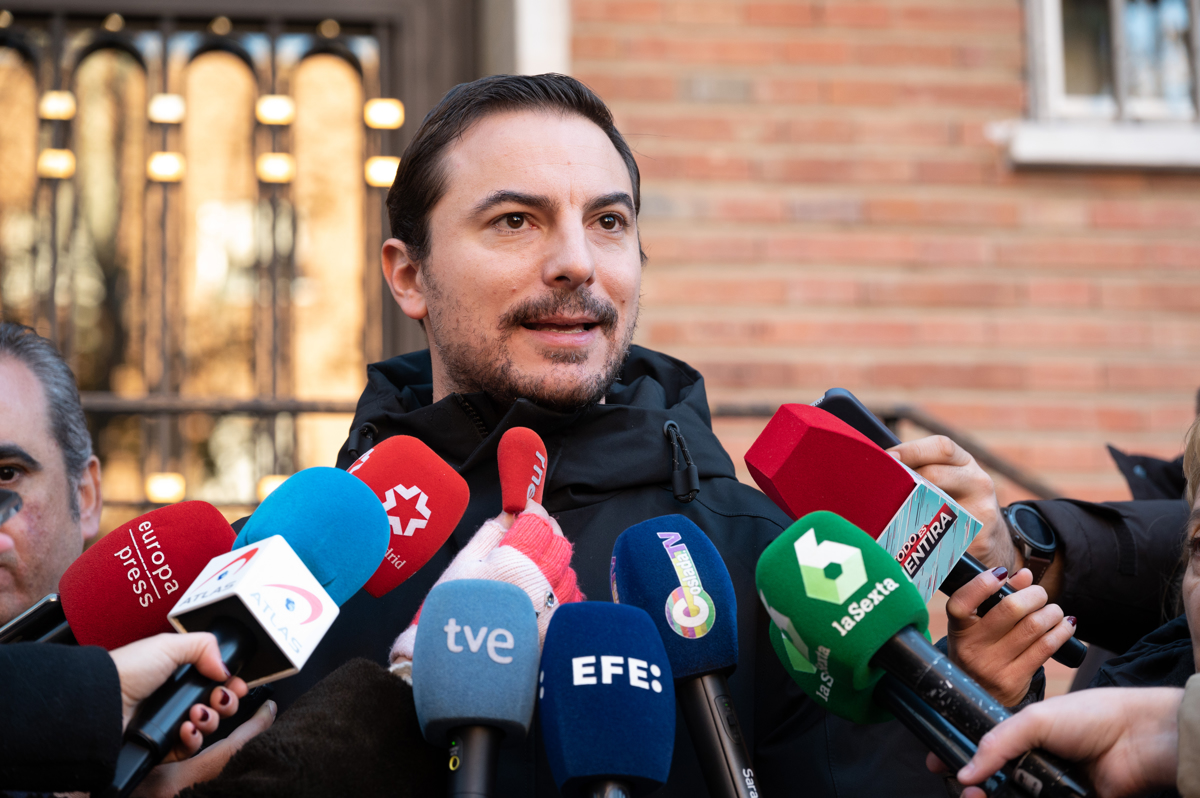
144	666
1003	649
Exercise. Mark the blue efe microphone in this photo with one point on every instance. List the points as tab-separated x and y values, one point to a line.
325	516
474	673
669	568
607	703
339	530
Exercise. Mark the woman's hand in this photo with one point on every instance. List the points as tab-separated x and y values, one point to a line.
146	665
1003	649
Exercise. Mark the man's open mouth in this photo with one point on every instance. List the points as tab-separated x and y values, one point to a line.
564	326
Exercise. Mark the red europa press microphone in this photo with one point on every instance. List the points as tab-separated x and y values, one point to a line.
121	589
521	456
424	498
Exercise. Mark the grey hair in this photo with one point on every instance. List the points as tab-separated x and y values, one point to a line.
62	398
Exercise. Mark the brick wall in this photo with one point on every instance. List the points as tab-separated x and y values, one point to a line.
822	206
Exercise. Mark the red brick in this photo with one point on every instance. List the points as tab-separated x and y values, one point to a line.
1062	293
630	87
942	212
987	376
619	11
838	170
1153	376
687	128
668	289
777	14
1066	375
787	90
856	15
948	292
891	54
960	17
1144	216
1178	297
816	52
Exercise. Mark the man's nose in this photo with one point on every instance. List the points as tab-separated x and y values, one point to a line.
570	261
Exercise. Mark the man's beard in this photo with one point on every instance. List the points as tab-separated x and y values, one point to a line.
488	366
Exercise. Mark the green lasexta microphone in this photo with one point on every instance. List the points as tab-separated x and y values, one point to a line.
843	614
835	597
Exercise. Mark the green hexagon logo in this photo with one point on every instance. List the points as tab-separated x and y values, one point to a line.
831	571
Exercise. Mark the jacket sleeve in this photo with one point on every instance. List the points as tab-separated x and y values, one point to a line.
60	717
1120	565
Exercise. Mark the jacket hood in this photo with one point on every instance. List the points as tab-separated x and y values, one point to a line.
622	441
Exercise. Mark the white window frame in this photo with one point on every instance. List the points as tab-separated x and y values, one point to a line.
1105	131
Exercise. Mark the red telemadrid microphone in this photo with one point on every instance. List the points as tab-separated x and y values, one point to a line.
522	460
121	589
807	459
424	497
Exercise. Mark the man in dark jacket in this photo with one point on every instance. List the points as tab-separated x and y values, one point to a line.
516	246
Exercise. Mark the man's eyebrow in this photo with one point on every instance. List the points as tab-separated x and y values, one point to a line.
538	201
10	451
615	198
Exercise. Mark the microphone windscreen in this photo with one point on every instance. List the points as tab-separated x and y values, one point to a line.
807	459
424	498
333	522
121	589
669	568
521	457
606	698
475	659
835	597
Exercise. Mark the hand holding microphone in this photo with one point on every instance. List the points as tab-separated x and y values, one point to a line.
843	614
528	551
143	666
1003	649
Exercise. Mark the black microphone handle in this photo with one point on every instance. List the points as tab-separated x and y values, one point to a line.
610	788
954	695
1071	653
155	728
717	736
935	732
474	751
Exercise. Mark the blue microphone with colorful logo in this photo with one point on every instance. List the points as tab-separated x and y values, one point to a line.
607	702
669	568
474	675
307	549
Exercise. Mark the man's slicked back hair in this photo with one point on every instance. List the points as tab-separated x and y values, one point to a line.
63	408
421	179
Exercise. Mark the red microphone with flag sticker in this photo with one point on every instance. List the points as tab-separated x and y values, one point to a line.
424	498
522	459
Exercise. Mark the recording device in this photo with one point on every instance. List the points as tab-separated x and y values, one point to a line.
10	504
424	498
306	550
669	568
474	675
121	589
843	614
807	459
606	701
521	456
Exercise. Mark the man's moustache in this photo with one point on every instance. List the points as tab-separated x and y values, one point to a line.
583	304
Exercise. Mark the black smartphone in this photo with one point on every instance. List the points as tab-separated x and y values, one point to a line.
845	405
44	622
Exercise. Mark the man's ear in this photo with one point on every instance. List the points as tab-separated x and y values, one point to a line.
90	500
401	274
